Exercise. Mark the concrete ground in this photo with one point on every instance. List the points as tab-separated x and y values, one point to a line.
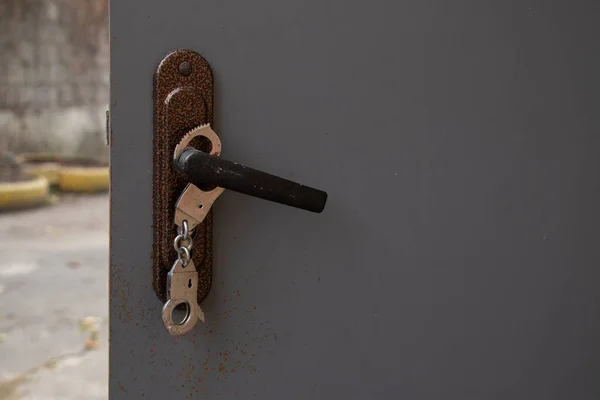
54	273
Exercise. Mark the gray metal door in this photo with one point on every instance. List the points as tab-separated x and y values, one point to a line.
457	257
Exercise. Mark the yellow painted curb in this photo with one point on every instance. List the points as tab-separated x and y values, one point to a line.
40	164
83	179
23	194
48	170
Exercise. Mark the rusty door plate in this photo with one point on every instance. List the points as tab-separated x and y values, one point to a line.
183	100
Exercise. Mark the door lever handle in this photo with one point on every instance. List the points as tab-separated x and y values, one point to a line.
200	169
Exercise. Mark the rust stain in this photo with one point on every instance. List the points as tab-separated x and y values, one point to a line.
235	357
124	310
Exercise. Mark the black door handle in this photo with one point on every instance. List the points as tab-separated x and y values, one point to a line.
201	168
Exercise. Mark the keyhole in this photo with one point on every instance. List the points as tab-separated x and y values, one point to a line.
201	205
190	283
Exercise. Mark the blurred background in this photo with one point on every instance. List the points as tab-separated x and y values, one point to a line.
54	77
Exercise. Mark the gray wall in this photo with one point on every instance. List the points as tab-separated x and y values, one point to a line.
53	75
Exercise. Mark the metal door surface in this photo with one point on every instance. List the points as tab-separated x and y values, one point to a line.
457	257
